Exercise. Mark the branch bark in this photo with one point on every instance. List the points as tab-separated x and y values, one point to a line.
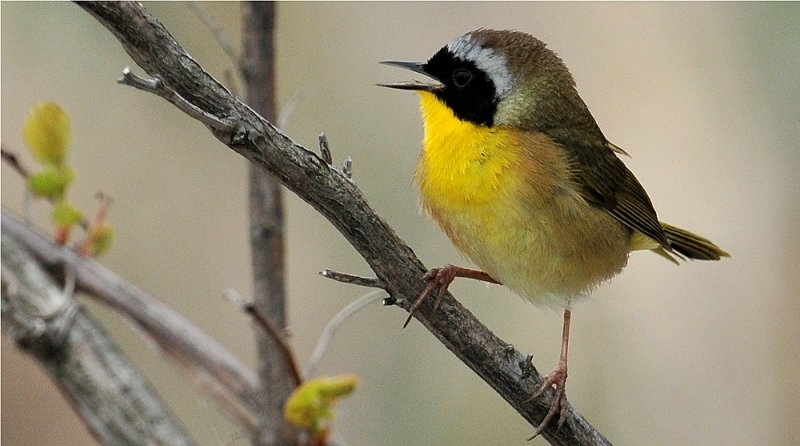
111	396
342	203
209	364
266	233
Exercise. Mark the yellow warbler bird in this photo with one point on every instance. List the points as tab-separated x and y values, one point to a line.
516	171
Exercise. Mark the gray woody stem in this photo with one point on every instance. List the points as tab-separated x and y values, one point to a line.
275	365
111	396
210	365
342	203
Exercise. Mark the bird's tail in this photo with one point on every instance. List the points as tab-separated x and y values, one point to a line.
682	244
692	245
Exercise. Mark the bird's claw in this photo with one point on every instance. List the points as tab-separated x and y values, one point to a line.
557	381
440	278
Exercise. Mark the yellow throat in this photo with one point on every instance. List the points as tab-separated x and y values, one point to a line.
462	163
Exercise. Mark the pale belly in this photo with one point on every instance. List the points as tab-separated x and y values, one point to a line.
551	254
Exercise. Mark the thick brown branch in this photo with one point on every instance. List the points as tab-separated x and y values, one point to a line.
111	396
343	204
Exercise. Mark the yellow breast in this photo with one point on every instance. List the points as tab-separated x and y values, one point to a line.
505	200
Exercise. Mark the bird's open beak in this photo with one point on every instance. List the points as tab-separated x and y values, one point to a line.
417	67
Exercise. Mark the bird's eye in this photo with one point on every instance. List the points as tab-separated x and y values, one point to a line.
462	77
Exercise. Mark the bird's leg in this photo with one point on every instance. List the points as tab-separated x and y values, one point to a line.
557	380
442	278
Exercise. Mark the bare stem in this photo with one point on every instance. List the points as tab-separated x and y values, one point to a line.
330	329
219	34
273	331
156	86
96	378
12	160
371	282
199	356
277	369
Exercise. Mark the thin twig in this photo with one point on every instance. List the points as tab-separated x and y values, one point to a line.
270	328
12	160
371	282
237	299
249	308
330	329
84	247
157	86
216	31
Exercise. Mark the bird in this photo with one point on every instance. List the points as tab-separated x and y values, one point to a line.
517	173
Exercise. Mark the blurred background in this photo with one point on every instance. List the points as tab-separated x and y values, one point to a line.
703	96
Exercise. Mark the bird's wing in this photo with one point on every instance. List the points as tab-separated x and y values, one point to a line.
605	181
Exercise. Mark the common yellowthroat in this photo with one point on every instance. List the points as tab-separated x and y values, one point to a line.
517	173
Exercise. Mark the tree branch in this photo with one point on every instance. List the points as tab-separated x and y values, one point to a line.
276	368
232	384
111	396
280	339
343	204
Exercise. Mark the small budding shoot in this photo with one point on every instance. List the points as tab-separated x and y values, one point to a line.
309	407
46	133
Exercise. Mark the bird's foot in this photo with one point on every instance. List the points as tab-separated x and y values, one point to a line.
440	278
557	381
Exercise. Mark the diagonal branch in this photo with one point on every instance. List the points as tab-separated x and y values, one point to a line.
109	394
232	384
342	203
